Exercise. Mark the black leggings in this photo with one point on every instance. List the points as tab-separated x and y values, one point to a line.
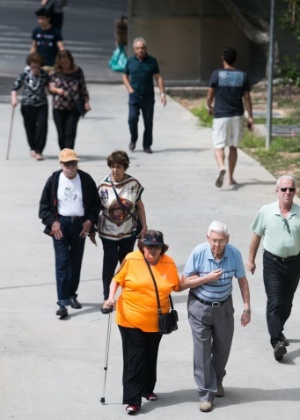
36	126
66	124
114	252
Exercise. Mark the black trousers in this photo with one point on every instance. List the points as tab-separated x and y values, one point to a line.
113	252
140	351
36	126
66	124
281	280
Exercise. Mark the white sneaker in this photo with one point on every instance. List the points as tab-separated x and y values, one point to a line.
205	406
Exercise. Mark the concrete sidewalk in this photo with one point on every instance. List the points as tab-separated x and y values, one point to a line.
54	369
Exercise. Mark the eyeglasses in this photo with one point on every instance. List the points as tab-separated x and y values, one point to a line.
290	189
218	241
71	163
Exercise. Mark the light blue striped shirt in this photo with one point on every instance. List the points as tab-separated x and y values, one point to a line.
201	262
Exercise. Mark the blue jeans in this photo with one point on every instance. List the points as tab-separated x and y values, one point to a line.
68	259
146	105
281	280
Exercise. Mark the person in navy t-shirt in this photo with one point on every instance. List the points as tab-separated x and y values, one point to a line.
46	40
229	89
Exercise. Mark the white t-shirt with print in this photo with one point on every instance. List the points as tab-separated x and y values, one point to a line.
69	196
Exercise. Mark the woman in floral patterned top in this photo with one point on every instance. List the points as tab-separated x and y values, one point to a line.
67	86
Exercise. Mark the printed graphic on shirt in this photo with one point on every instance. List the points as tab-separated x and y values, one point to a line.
104	196
117	213
231	78
70	194
45	39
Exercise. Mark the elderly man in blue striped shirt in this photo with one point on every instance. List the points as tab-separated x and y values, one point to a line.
208	272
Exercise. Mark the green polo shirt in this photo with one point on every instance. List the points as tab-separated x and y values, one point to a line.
141	74
279	237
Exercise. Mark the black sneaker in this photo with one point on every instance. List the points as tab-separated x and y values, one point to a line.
279	350
62	312
285	340
148	150
132	146
75	304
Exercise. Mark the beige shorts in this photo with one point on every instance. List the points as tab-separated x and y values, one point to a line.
227	131
48	69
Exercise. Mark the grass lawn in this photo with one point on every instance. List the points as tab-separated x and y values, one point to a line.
283	156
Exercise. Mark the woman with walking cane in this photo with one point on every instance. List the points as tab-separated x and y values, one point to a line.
34	103
137	314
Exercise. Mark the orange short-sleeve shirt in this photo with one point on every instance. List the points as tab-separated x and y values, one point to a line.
137	304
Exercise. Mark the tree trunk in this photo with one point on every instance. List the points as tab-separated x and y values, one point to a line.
258	36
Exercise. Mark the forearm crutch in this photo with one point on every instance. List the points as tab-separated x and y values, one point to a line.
10	131
106	355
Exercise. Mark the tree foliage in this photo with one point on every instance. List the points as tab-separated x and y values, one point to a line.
290	19
254	27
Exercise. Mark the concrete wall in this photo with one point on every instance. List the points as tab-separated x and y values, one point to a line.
174	42
188	49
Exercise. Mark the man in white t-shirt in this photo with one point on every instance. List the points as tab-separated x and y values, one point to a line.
69	207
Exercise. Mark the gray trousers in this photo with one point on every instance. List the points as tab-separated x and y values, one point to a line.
212	330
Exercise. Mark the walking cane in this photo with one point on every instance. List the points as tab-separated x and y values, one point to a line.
106	354
10	132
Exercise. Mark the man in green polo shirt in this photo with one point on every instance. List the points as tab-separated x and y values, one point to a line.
279	225
138	79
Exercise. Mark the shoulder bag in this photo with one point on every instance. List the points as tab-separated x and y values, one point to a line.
79	104
167	322
136	220
118	60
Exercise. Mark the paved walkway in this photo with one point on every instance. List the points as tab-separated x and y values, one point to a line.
52	369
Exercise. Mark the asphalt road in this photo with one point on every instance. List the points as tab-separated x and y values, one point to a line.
88	32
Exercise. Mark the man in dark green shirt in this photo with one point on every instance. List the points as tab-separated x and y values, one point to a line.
138	79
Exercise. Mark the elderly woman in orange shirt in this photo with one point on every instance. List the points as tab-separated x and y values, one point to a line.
137	314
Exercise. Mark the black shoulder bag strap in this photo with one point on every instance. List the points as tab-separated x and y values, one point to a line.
122	205
156	290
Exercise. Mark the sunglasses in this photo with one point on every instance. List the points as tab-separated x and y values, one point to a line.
286	225
71	163
290	189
